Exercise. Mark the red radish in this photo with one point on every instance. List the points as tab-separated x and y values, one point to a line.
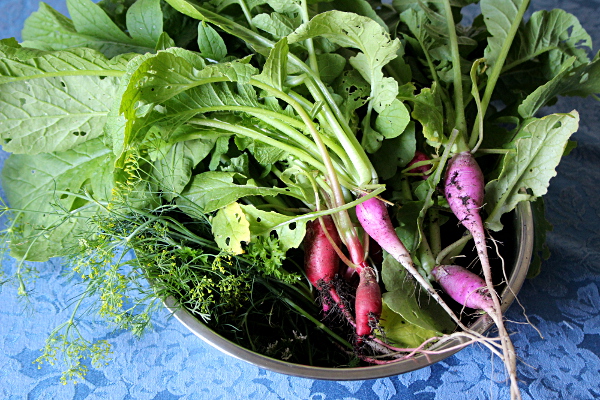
368	302
321	262
464	190
422	169
464	286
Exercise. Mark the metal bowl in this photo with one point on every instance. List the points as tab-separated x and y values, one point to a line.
524	238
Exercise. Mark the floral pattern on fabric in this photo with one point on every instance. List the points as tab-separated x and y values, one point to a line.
560	357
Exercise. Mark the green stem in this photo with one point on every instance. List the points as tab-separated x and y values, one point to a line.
365	172
310	46
497	69
460	122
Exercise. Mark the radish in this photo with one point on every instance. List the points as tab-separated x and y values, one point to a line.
368	303
375	220
422	169
464	286
321	261
464	191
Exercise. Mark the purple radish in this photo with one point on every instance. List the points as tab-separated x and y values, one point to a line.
464	191
375	220
464	286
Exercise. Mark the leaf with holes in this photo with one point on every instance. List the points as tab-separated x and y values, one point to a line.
266	223
231	228
55	101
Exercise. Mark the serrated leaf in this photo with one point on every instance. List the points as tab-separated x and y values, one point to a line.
33	185
54	101
275	69
355	31
210	43
527	171
583	81
230	229
498	17
556	32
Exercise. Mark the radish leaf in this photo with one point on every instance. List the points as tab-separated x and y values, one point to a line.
527	171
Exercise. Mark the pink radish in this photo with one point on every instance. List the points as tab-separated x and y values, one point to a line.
464	286
464	191
375	220
368	303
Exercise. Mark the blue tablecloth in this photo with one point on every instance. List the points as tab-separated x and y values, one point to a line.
560	360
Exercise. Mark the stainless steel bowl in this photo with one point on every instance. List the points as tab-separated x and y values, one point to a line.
524	238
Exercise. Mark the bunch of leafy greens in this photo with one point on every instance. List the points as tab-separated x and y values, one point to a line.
204	135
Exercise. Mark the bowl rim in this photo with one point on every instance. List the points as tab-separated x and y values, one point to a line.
525	237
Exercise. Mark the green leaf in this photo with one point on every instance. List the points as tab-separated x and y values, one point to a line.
355	31
527	171
210	43
264	154
331	65
583	81
89	19
36	189
396	152
277	25
401	332
360	7
194	10
556	32
230	229
145	22
408	224
212	190
173	171
428	111
354	91
275	69
47	29
265	223
499	17
404	297
181	81
57	100
393	120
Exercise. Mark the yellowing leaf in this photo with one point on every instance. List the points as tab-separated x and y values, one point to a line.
230	228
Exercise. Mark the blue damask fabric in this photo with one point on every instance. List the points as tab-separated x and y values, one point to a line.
560	357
